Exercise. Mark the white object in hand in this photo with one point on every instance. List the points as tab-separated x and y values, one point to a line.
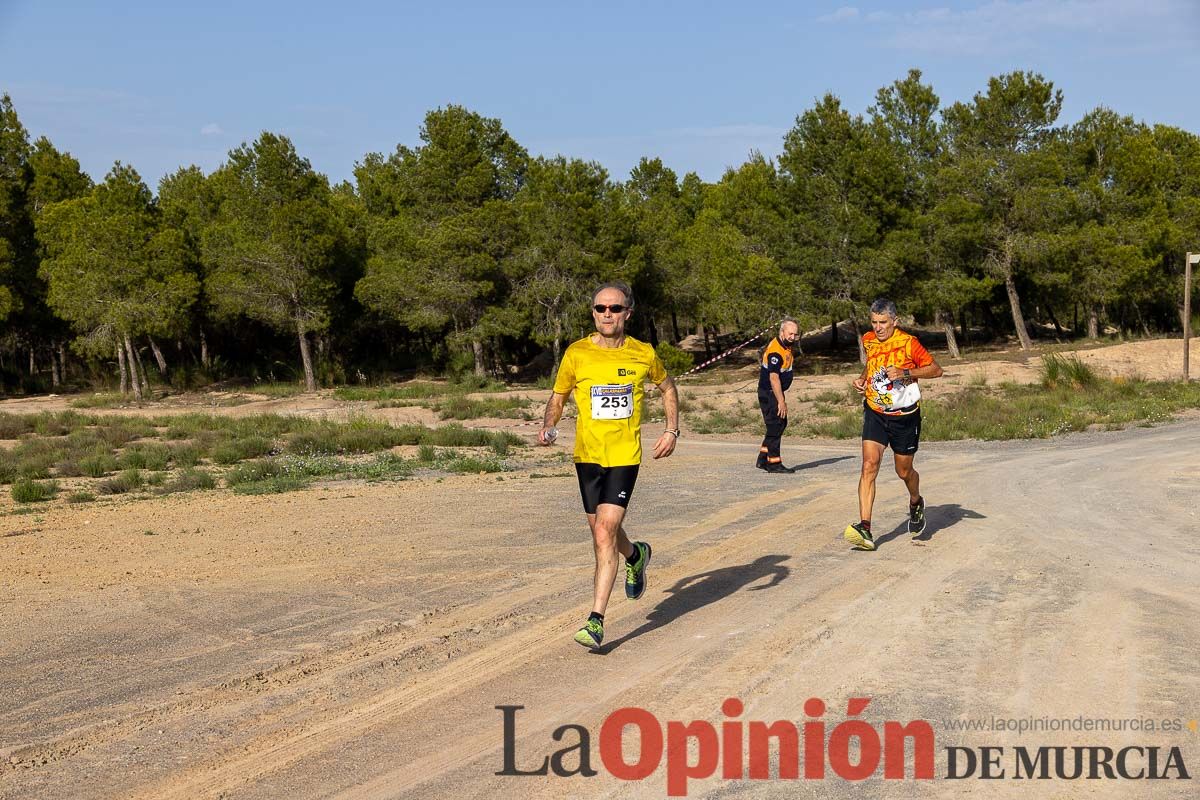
550	435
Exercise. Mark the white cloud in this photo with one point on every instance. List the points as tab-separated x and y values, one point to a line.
843	14
1017	25
212	129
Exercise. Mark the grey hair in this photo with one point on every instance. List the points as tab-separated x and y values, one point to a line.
620	286
786	320
883	305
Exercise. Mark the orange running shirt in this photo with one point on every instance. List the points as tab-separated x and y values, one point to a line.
901	350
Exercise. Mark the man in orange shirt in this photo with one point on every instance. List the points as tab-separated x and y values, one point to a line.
774	378
891	415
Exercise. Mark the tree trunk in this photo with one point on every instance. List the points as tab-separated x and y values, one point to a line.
862	350
62	361
833	336
675	326
1014	303
121	364
1058	331
310	380
32	365
652	330
965	326
947	322
141	371
54	376
477	351
158	356
133	370
1093	323
203	349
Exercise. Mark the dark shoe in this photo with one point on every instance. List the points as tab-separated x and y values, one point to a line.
635	571
779	468
916	517
859	536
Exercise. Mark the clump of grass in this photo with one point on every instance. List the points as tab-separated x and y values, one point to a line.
1058	370
462	407
503	441
273	485
145	456
13	426
277	389
30	491
68	468
427	454
385	466
414	390
98	465
102	400
36	465
471	464
126	481
81	497
156	479
185	455
252	471
737	419
235	450
188	480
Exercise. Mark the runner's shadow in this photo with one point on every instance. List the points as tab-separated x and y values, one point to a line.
937	519
697	591
822	462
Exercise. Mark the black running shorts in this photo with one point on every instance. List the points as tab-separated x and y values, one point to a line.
901	431
599	484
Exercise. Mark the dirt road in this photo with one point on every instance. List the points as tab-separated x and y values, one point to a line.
352	641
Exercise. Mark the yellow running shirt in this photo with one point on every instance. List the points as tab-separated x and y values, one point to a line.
608	392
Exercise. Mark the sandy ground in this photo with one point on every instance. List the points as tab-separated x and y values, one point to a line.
353	640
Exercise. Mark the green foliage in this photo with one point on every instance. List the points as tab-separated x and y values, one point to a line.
188	480
98	465
81	497
462	407
30	491
1068	371
676	361
239	449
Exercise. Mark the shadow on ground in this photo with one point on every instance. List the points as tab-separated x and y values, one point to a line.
937	519
697	591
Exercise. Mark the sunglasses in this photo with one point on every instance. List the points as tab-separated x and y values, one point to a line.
616	308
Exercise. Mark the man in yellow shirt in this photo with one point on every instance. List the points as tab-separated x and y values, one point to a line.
606	371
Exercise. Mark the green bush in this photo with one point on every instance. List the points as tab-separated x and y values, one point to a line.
98	465
29	491
235	450
127	481
676	360
185	455
188	480
13	426
81	497
1058	370
251	471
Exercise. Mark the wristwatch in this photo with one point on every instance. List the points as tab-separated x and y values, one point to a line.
907	373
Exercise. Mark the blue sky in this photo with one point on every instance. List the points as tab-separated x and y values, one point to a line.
699	84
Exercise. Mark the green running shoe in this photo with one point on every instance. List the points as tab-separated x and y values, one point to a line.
635	571
591	634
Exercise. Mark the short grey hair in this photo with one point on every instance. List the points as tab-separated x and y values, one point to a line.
883	305
787	320
620	286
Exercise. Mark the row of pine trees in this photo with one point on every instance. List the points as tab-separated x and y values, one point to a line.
466	254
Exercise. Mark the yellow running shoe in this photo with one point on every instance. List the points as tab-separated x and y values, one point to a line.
859	536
